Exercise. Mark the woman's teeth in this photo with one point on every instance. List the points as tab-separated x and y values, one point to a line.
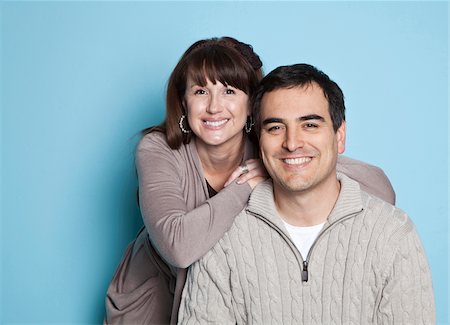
216	123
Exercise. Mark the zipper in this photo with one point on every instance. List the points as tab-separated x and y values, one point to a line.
305	263
305	275
305	271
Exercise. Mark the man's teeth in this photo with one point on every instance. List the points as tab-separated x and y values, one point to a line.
297	161
216	123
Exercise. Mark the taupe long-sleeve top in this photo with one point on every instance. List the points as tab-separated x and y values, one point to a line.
367	266
183	223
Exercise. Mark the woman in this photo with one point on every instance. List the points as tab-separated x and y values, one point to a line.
196	172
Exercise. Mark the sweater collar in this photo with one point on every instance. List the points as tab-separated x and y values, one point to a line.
349	201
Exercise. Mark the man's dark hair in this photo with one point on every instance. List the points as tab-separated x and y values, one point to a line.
300	75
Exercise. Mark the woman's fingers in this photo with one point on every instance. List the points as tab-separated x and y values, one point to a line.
250	169
256	169
247	169
235	174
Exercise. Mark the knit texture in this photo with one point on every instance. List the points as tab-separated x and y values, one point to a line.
366	267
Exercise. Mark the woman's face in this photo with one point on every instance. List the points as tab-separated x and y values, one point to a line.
216	113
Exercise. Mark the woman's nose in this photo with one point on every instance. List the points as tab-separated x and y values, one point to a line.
214	105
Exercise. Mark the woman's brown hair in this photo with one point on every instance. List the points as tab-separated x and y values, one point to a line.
224	60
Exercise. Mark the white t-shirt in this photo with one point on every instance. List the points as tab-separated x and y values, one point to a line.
303	237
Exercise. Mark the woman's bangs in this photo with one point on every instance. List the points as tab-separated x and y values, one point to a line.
218	65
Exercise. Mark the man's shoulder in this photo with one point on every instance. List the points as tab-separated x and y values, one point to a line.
370	177
260	206
239	234
392	217
239	231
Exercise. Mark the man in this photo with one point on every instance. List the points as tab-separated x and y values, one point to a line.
311	247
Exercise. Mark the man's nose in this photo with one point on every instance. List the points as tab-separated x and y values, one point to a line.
294	139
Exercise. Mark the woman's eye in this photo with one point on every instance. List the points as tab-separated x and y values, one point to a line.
230	91
199	92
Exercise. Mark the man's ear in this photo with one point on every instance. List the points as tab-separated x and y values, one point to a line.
340	137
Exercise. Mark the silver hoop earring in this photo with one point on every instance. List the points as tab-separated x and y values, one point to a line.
184	129
249	124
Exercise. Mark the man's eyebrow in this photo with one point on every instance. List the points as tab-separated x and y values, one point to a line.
301	118
312	117
272	120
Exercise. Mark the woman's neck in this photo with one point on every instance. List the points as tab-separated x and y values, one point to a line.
219	162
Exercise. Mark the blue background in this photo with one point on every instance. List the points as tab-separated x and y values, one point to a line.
79	80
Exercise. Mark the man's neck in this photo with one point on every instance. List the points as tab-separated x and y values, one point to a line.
309	207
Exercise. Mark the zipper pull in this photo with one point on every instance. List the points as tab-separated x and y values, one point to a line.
305	271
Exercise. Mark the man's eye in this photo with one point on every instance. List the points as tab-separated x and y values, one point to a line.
274	128
310	126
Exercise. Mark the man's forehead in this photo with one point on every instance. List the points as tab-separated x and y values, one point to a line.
303	88
299	100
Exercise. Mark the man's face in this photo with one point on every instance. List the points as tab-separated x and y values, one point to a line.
298	144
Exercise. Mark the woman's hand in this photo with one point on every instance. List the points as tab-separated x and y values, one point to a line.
251	171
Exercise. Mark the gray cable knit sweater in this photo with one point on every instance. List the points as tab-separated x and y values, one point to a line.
367	266
183	224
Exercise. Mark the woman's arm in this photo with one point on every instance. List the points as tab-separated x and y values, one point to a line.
372	179
181	236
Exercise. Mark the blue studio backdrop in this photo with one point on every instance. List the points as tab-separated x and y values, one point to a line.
79	80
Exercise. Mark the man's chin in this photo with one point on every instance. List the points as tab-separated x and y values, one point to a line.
296	186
